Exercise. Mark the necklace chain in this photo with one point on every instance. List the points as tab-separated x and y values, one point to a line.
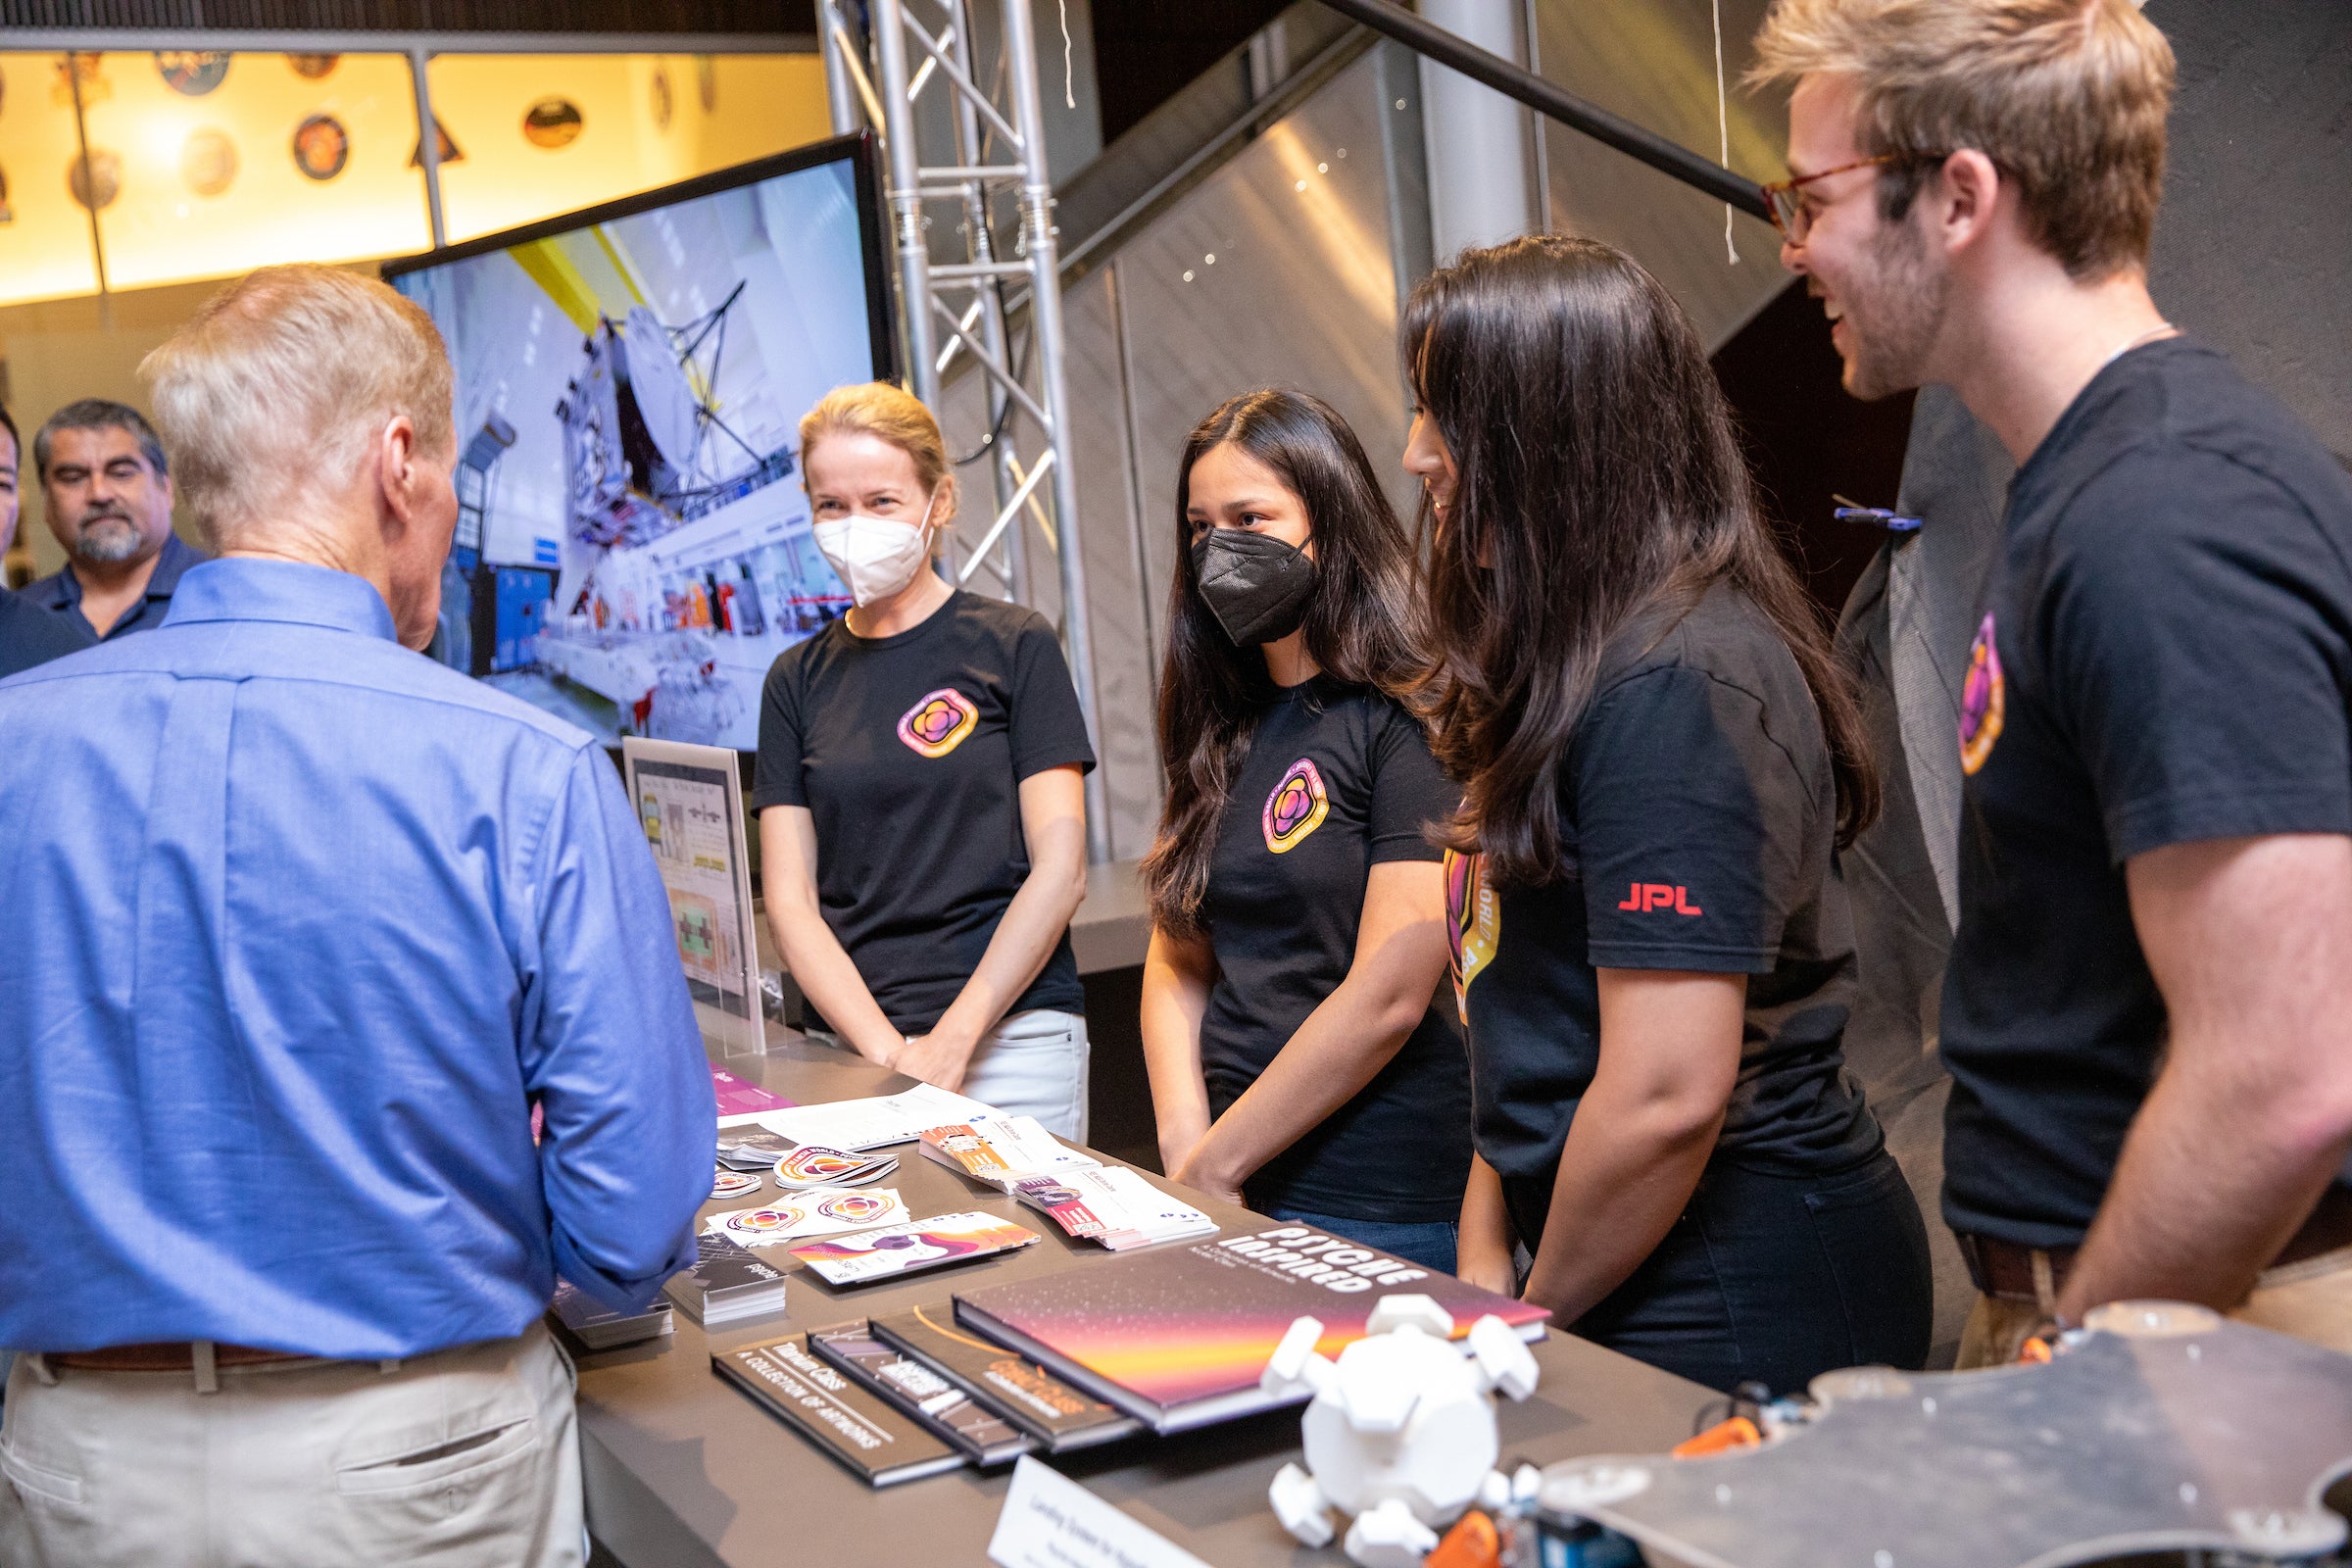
2152	333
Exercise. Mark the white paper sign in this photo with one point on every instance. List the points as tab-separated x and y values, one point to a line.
859	1125
1051	1521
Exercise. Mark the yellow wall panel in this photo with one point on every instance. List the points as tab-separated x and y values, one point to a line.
644	121
161	228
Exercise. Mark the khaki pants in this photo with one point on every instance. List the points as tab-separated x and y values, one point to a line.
467	1458
2310	1300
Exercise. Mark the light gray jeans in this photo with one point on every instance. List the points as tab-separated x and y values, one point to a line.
1034	1063
466	1459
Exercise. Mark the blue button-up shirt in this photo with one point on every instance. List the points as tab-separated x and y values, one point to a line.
299	924
60	593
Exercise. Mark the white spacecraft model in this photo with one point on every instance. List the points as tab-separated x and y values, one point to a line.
1401	1433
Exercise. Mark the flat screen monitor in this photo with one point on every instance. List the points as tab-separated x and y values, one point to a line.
633	545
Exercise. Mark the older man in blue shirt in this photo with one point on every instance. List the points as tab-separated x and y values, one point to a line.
304	927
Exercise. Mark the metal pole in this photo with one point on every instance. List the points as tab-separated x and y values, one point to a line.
1516	81
1045	322
89	193
992	337
907	203
840	93
429	145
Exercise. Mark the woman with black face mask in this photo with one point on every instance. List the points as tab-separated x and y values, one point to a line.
1298	1057
1659	763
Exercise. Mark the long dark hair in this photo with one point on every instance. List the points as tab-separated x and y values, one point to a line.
1599	478
1362	625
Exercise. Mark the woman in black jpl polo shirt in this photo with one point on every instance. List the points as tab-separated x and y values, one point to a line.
1661	761
1295	1050
921	823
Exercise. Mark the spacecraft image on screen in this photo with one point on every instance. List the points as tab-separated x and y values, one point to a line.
633	544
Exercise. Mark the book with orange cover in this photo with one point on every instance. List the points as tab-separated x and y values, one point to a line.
1178	1336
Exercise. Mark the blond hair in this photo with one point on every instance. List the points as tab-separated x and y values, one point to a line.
2067	98
274	389
885	411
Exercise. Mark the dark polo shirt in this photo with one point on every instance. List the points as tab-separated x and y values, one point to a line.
61	592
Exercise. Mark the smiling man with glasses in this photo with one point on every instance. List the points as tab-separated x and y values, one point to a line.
2147	1012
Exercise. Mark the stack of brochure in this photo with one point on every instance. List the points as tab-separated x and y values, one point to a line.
1001	1150
598	1327
727	1282
1113	1206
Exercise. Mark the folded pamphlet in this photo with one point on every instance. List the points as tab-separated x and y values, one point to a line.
739	1101
751	1147
895	1249
1000	1149
1113	1206
858	1125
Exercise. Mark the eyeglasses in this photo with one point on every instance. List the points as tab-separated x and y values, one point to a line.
1788	208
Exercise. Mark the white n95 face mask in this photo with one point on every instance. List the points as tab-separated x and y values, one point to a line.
876	555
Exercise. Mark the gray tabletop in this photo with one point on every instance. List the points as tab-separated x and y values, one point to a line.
683	1471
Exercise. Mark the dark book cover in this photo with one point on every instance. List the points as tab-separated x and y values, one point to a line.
984	1437
1058	1415
728	1281
856	1428
595	1326
1179	1336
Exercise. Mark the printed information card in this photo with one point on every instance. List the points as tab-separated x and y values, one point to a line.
1051	1521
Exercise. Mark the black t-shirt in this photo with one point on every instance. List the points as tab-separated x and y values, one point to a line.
1700	818
1338	780
2165	656
910	752
33	634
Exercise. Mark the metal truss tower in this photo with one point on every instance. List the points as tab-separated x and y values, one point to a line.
995	146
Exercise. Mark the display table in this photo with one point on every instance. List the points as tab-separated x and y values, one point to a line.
683	1471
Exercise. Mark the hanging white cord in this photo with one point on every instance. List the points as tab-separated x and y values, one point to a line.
1723	126
1069	82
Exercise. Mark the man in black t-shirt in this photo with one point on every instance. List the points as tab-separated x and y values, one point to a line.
2148	1002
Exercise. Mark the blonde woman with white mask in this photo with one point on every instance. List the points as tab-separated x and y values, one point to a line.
922	822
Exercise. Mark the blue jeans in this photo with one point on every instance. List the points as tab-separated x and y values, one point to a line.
1770	1278
1430	1242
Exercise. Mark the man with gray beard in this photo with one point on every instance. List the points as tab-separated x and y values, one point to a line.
108	488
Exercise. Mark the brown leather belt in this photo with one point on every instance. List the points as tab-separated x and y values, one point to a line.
172	1355
2004	1270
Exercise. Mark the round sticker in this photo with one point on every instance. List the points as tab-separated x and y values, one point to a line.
208	162
322	147
192	73
552	122
311	67
855	1209
766	1221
